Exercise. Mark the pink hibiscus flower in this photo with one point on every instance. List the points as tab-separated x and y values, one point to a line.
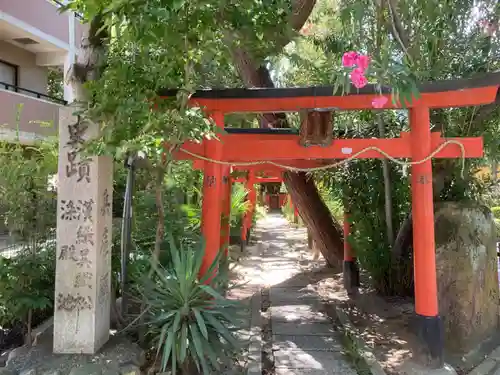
349	59
379	102
363	61
358	78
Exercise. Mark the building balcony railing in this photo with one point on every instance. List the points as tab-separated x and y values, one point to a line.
27	114
20	90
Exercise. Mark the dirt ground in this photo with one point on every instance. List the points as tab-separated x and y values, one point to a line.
382	323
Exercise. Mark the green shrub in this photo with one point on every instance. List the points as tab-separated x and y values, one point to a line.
27	282
28	212
363	182
178	222
497	226
288	212
189	319
496	212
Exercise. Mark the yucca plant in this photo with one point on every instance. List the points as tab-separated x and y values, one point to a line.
190	321
239	204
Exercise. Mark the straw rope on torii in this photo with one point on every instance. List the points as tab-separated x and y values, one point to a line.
341	162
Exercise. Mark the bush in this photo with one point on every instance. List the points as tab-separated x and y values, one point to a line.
288	212
496	212
189	319
363	182
27	282
28	211
145	219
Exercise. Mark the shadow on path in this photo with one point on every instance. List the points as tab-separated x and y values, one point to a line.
298	338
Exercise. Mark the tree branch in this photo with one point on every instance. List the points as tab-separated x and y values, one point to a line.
301	10
396	28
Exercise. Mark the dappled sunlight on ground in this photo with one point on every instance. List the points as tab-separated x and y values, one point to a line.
304	339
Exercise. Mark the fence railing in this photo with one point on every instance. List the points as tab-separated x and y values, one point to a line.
9	87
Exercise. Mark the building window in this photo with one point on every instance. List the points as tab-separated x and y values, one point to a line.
8	75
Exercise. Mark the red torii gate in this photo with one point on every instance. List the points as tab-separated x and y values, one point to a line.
250	180
420	145
252	177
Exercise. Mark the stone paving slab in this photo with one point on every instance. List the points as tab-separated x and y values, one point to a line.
303	341
288	371
307	343
311	360
294	313
303	328
291	294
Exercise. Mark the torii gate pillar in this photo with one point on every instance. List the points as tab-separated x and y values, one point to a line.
350	266
251	198
226	208
430	328
212	205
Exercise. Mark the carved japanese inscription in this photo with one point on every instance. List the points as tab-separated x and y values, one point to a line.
105	248
83	279
80	257
103	289
76	134
74	211
70	211
85	235
70	303
81	168
86	208
106	205
210	181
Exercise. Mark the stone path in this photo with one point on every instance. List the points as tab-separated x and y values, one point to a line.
285	317
490	366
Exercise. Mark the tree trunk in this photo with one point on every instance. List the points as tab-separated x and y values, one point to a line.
316	216
404	239
314	212
387	187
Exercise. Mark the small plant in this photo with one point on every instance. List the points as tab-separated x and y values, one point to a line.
190	320
288	210
239	204
27	286
496	212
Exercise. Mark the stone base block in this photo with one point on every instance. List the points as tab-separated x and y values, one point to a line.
351	276
412	368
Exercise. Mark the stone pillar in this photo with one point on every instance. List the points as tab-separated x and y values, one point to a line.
84	229
466	261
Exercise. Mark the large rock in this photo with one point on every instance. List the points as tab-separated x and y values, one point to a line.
466	260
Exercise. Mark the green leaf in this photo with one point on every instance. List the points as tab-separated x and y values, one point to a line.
208	289
198	347
184	342
177	321
167	350
222	330
201	323
162	339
